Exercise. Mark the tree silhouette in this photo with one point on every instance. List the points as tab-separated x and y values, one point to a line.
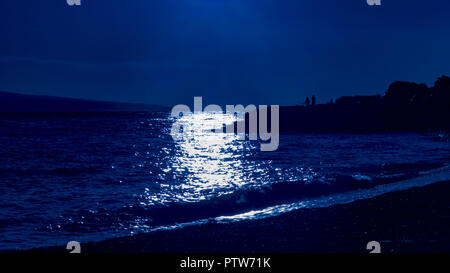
403	93
441	89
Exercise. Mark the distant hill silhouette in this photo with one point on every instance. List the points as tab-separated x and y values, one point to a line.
405	106
13	102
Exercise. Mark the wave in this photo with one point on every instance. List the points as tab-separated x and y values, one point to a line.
245	201
252	197
428	178
242	205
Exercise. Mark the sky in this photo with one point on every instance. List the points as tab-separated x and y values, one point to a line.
227	51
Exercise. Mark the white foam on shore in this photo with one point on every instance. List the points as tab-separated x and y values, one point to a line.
431	177
428	178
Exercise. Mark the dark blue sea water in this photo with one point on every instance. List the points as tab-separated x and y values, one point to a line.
88	177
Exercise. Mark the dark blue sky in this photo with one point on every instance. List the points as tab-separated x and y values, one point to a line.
228	51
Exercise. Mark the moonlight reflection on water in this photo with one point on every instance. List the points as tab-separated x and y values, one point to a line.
213	160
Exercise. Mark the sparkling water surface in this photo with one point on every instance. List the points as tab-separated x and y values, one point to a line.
89	177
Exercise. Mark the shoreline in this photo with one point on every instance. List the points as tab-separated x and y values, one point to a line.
414	220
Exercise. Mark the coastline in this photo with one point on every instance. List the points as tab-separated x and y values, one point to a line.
412	221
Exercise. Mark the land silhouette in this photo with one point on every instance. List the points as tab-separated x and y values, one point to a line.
405	106
20	103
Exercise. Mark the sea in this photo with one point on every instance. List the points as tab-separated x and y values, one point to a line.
95	176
